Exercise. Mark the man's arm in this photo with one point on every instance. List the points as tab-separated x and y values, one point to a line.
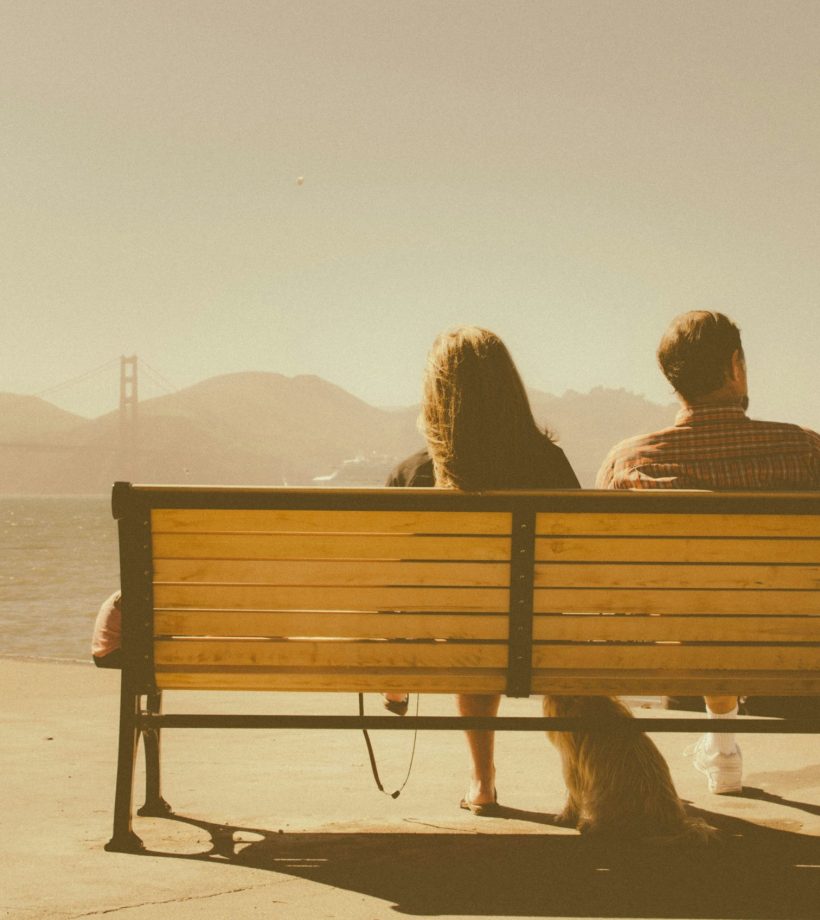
814	440
606	474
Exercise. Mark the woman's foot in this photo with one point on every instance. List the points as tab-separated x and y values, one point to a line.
396	702
483	806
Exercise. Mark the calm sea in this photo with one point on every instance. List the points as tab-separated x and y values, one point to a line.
58	562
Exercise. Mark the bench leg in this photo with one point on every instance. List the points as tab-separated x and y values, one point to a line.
155	805
124	840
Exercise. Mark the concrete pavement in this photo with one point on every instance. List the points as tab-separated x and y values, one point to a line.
290	824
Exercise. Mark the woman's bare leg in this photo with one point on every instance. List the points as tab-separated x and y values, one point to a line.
482	746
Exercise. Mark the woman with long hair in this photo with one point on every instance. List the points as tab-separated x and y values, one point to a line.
481	435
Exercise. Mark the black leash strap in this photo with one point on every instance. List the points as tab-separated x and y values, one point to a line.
372	756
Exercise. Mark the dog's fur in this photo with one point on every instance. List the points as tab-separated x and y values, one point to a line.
617	780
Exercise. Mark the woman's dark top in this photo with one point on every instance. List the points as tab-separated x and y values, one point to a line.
551	471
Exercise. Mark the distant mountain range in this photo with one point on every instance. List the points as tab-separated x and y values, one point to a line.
267	429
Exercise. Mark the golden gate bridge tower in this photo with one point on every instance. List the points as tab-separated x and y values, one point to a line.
129	415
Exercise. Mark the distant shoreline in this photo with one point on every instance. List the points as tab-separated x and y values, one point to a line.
45	659
55	494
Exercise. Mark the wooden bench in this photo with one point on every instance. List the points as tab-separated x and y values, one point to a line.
434	591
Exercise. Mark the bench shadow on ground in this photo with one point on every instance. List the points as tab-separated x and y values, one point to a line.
754	872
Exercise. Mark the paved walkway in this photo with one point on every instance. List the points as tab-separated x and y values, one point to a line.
290	824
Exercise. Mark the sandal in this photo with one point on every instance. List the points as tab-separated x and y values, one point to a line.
482	809
399	707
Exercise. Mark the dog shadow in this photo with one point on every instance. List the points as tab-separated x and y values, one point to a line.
753	873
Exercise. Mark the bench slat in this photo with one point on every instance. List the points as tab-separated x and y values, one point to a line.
329	546
323	623
677	575
356	572
345	653
671	682
696	657
484	626
252	597
679	525
676	549
588	682
625	600
451	680
623	627
188	520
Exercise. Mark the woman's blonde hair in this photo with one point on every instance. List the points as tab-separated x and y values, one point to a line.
475	414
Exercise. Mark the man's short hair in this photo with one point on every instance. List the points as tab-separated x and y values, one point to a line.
695	353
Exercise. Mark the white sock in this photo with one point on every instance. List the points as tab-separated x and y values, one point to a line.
722	742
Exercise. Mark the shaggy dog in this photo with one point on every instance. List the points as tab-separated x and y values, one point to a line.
617	781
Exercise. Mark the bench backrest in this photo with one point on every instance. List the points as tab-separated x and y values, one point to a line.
435	591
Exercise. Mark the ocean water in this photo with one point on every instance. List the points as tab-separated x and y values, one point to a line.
58	562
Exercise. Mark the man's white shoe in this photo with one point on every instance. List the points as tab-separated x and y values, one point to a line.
723	771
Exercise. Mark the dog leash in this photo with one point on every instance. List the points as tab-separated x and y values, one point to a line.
372	756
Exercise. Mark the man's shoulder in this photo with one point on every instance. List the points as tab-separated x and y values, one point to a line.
624	452
798	431
784	436
416	470
636	442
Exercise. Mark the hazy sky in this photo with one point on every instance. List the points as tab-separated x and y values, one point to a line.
569	174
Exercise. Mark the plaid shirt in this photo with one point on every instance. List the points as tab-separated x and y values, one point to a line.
716	448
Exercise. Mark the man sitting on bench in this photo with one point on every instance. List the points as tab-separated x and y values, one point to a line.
713	445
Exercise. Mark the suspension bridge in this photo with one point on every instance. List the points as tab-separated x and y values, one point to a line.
103	378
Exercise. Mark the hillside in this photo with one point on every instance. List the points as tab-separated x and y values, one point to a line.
28	418
267	429
587	425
